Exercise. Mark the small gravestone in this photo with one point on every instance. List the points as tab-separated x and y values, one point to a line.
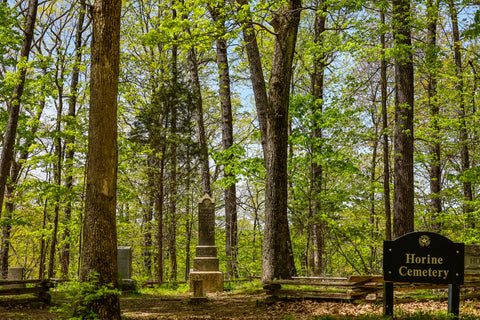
124	265
205	264
15	273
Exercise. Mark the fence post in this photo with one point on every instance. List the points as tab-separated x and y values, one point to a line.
388	298
454	300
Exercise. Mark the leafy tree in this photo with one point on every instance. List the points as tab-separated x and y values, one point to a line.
13	106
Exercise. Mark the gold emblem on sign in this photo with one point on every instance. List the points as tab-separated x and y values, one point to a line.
424	240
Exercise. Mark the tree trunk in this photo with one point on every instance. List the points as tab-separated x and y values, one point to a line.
201	135
318	226
277	250
172	157
256	76
147	223
70	149
385	129
403	207
189	214
43	245
159	198
462	115
231	241
57	170
5	242
14	103
434	148
99	253
373	179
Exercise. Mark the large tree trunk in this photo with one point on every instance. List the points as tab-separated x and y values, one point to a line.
277	250
462	115
227	141
99	254
14	104
403	207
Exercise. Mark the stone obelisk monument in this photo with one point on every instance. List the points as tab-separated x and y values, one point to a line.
205	264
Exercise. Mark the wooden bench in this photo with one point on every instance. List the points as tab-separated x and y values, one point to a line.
38	287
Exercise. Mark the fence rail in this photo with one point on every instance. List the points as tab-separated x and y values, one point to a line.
38	287
348	288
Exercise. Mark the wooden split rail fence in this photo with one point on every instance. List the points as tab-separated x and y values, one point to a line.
353	288
39	288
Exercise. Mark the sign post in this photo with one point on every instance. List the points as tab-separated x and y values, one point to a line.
423	257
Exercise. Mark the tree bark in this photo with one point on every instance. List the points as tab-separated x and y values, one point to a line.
99	252
318	79
403	208
277	250
231	241
434	148
385	129
256	76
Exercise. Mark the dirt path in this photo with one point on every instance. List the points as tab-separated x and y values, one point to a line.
228	306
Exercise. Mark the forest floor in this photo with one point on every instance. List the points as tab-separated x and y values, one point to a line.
238	306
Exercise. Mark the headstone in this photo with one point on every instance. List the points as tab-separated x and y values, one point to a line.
124	262
124	265
15	273
205	264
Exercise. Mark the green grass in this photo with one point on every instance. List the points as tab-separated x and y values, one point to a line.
245	287
164	290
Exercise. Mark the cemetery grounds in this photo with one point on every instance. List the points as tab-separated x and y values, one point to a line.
247	301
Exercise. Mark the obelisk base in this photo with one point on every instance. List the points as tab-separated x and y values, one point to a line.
212	280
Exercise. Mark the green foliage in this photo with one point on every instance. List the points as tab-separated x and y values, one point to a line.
81	298
10	38
473	30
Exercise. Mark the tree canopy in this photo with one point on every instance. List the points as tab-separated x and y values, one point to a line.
289	113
